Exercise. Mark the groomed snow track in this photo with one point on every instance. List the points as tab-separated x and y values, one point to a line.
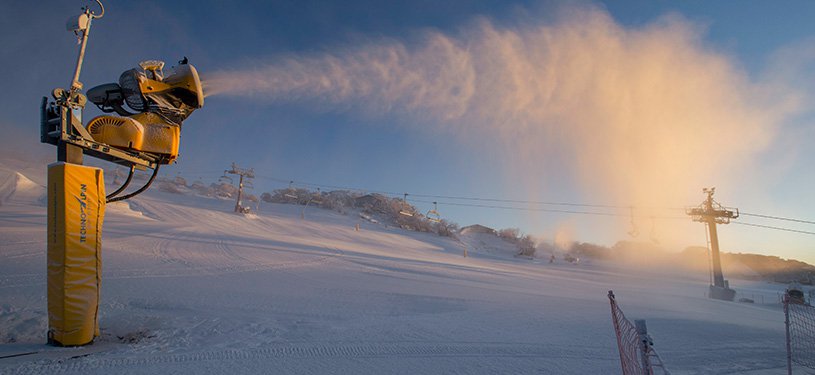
377	350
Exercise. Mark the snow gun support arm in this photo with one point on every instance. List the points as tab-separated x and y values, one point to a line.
143	139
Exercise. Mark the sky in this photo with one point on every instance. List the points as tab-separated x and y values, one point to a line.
635	104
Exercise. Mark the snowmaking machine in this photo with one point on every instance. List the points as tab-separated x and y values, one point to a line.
140	129
161	104
144	137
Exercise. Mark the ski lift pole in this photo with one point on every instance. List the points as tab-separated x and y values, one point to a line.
238	205
248	173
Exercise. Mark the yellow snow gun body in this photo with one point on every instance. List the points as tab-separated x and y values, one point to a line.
161	105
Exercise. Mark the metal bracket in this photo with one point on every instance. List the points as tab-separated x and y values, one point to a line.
58	126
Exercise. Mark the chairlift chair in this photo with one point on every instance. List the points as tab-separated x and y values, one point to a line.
318	198
433	215
290	192
405	210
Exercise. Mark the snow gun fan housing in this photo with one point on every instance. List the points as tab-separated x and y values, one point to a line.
160	103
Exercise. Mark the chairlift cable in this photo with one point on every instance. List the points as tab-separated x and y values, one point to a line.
537	209
533	209
772	227
777	218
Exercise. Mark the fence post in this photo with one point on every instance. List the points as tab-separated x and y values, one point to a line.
642	330
637	354
787	329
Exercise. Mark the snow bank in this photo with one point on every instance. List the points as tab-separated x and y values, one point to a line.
17	188
486	243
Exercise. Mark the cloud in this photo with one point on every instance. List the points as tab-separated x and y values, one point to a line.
640	116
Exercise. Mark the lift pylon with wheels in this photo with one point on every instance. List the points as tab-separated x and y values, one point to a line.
243	173
711	213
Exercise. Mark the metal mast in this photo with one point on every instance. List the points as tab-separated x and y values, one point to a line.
711	213
248	173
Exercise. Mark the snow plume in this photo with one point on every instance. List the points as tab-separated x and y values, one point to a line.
438	76
636	116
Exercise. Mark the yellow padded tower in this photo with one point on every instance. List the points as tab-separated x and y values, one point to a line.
76	209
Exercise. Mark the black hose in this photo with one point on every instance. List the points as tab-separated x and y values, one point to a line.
141	190
123	187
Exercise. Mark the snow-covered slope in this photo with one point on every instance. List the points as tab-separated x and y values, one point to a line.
486	244
17	188
189	287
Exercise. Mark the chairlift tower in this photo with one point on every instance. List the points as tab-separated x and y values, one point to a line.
711	213
248	173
